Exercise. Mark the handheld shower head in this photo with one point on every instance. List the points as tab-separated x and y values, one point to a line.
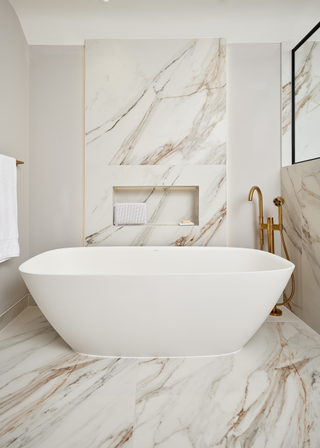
278	201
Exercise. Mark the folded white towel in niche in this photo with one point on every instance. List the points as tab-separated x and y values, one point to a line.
126	214
9	245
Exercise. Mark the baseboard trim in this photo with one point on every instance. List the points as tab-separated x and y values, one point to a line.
32	302
16	309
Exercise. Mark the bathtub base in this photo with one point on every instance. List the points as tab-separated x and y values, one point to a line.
161	357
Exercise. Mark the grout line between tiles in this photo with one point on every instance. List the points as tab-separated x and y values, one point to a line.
135	402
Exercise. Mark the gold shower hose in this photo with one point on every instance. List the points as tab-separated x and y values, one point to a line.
292	276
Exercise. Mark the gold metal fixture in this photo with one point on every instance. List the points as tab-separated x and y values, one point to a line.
271	227
18	162
260	212
278	202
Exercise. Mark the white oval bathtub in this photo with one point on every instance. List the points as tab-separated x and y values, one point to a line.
156	301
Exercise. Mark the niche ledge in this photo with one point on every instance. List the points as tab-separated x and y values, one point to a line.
166	205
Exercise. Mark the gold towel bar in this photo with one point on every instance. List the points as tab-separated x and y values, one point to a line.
18	162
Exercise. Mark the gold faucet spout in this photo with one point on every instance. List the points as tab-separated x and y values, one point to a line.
260	198
260	212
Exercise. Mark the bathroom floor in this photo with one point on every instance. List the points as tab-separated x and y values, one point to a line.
267	395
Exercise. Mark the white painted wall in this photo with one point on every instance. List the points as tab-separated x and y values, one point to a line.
254	135
14	139
56	161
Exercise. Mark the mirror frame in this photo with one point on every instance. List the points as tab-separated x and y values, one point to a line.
293	88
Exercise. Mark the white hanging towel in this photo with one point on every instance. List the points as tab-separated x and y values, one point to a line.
9	245
126	214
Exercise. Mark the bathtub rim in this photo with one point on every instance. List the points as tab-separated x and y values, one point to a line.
266	254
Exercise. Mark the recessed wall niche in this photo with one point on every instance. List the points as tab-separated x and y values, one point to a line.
166	206
156	127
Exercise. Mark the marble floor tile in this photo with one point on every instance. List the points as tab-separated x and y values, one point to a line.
53	397
267	395
287	316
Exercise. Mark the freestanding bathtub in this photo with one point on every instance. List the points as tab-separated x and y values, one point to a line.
156	301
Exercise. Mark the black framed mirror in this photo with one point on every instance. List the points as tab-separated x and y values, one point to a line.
305	80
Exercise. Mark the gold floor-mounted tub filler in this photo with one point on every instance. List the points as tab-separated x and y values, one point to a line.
271	227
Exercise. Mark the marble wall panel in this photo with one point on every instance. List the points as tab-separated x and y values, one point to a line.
156	102
301	215
212	205
156	117
286	48
307	61
301	187
307	94
310	175
292	223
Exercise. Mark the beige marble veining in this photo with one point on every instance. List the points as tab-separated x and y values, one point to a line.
291	191
286	92
300	182
156	117
307	98
267	395
301	215
156	101
310	173
51	396
212	209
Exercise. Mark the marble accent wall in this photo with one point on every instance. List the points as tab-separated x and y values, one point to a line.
307	93
156	116
286	48
307	61
301	191
291	191
301	212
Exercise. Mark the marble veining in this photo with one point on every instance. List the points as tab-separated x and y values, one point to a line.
267	395
310	175
156	117
301	215
291	191
300	182
286	151
212	206
307	100
257	398
156	102
51	396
